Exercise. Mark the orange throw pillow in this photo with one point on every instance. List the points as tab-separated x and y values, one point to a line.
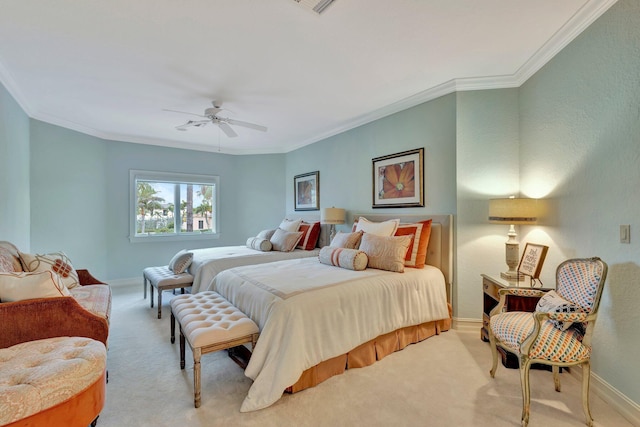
417	252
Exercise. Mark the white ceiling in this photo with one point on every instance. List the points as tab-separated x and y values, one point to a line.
109	68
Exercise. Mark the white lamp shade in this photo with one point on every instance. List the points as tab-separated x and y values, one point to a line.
332	216
513	211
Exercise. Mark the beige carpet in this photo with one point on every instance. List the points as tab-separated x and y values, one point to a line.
442	381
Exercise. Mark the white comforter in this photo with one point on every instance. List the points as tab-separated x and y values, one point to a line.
309	312
210	261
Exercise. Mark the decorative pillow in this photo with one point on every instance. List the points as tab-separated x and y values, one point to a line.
352	259
258	244
7	261
266	234
29	285
346	240
290	225
385	253
310	236
384	228
552	302
285	241
180	261
417	252
58	262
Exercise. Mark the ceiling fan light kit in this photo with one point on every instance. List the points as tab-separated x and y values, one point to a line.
317	6
211	116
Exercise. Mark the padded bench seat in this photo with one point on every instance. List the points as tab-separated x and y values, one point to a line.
55	381
164	279
209	323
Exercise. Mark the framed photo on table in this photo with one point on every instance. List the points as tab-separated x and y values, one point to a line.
306	191
398	180
532	260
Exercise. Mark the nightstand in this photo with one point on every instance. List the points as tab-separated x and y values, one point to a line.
490	298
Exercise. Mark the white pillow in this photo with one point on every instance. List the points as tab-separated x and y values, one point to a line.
290	225
258	244
27	285
384	228
285	241
181	261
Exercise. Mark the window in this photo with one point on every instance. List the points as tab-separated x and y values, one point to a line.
173	206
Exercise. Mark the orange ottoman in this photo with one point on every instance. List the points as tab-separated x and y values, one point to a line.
53	382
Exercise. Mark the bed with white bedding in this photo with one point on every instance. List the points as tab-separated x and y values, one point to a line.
208	262
310	313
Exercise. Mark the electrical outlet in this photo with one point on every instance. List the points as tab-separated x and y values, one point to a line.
625	234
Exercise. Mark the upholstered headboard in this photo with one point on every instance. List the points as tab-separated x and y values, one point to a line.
440	249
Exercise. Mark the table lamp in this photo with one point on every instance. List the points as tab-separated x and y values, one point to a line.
332	216
513	211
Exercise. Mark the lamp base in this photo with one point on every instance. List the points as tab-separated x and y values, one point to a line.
512	276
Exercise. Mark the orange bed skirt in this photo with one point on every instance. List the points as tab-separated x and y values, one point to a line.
368	353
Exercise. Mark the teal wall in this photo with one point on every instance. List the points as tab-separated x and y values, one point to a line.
580	148
14	172
345	160
487	166
80	198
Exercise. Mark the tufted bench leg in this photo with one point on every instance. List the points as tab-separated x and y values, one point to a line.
208	323
163	279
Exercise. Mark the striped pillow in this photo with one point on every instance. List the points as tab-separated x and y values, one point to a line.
310	237
417	252
258	244
352	259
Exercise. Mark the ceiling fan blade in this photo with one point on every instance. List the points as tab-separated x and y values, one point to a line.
227	129
183	112
192	123
246	124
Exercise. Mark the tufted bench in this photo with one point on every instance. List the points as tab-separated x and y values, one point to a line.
209	323
54	381
163	279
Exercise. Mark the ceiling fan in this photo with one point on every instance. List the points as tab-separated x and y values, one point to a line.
211	116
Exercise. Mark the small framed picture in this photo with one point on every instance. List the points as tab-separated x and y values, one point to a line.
398	180
532	260
306	191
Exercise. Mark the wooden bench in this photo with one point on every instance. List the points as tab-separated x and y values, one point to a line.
163	279
209	323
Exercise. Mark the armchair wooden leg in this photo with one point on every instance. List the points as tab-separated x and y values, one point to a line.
525	364
586	376
556	376
494	354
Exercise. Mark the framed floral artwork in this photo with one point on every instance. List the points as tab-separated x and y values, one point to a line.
398	180
306	191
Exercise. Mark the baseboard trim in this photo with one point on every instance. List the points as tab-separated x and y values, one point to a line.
622	404
131	281
465	324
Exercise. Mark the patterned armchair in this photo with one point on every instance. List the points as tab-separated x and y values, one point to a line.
560	335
